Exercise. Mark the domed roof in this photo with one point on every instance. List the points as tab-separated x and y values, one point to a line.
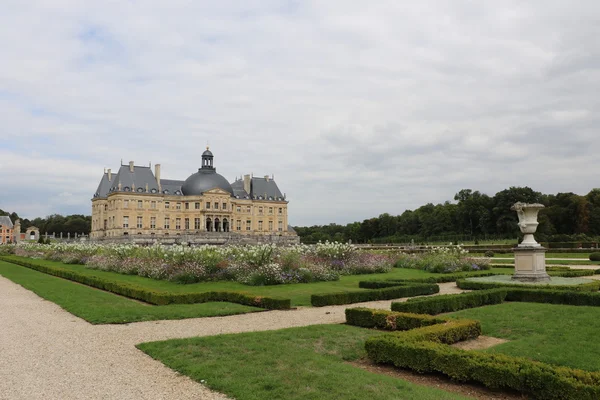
203	180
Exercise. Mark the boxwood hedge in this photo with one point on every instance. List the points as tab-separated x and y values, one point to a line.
156	297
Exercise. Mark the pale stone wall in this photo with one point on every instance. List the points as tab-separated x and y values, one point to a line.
245	217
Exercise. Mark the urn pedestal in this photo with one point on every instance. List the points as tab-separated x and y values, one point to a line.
530	256
530	264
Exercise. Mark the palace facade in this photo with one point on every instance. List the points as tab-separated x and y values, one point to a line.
136	204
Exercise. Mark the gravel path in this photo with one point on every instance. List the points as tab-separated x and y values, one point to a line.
47	353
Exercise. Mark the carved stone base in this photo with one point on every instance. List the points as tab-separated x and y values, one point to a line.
530	264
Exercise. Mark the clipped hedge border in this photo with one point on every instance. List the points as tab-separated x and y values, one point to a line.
156	297
454	302
465	284
378	284
389	320
424	350
451	302
554	296
402	289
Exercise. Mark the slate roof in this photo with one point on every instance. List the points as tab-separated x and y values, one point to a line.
171	185
142	180
260	188
5	221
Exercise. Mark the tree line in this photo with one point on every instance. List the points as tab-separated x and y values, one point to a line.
473	215
55	223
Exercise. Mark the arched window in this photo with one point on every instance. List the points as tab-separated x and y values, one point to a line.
208	225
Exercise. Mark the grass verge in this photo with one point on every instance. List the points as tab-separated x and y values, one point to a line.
99	307
293	364
555	334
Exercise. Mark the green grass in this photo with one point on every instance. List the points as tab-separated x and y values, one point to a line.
292	364
99	307
552	262
299	293
583	256
555	334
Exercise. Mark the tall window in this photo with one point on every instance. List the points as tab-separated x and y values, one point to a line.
178	206
177	223
238	209
208	205
260	227
248	225
140	222
187	206
224	206
216	205
125	203
238	225
270	210
152	222
105	224
187	223
140	204
197	206
260	210
153	204
270	225
280	210
196	223
248	209
280	226
167	204
167	223
126	222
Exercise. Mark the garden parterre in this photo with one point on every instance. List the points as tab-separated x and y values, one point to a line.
259	265
251	265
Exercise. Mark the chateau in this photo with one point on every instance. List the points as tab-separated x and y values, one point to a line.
136	205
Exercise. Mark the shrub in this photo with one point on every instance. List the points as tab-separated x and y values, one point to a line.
451	302
422	350
554	296
432	279
401	290
595	257
153	296
389	320
489	253
466	284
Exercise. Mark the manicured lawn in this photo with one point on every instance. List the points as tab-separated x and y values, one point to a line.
292	364
556	334
299	293
583	256
552	262
99	307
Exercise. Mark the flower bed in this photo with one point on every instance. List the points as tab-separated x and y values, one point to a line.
442	260
251	265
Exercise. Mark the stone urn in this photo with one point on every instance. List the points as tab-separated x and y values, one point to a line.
530	259
528	223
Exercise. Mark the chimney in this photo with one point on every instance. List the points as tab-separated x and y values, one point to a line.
267	178
130	166
109	175
247	183
157	175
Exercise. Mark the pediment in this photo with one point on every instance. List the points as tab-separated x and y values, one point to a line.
217	191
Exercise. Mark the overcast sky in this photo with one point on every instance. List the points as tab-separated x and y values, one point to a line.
358	108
